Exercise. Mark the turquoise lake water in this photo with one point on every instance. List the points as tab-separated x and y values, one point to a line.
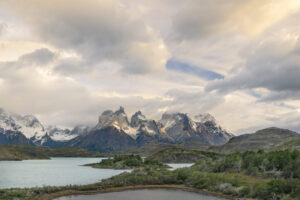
54	172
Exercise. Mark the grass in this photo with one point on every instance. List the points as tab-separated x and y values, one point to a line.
180	155
127	162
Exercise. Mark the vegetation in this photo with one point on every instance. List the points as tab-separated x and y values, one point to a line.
127	162
270	139
259	175
22	152
153	147
180	155
277	164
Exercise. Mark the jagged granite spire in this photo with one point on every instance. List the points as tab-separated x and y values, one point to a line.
137	118
118	119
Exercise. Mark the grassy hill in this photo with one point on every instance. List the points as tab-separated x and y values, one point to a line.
152	148
22	152
179	155
127	162
268	139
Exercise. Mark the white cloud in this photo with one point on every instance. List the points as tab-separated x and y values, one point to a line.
205	18
68	60
272	62
97	30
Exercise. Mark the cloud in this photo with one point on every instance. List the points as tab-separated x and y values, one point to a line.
39	57
68	60
179	66
200	19
272	62
97	31
192	101
3	27
34	87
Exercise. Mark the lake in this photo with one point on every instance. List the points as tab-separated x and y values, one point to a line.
54	172
144	194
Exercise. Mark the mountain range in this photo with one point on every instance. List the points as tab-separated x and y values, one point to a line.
114	131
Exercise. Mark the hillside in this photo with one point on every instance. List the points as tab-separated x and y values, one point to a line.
179	155
22	152
152	148
127	162
268	139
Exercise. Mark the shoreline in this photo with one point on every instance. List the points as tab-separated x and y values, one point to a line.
137	187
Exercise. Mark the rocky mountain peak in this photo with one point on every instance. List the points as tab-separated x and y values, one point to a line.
80	130
107	112
115	127
171	119
137	118
120	111
116	119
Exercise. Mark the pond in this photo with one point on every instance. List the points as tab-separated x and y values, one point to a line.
144	194
179	165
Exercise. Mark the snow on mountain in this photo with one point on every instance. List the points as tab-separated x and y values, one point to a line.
137	118
58	134
28	125
117	119
171	128
204	128
80	130
32	129
174	127
202	118
178	126
139	121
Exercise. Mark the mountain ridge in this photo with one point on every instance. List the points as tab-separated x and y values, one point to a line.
271	138
173	128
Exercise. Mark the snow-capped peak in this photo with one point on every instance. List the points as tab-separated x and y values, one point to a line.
59	134
28	124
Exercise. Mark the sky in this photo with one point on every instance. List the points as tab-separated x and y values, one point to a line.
67	61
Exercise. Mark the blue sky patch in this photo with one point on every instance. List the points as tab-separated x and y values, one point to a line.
180	66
